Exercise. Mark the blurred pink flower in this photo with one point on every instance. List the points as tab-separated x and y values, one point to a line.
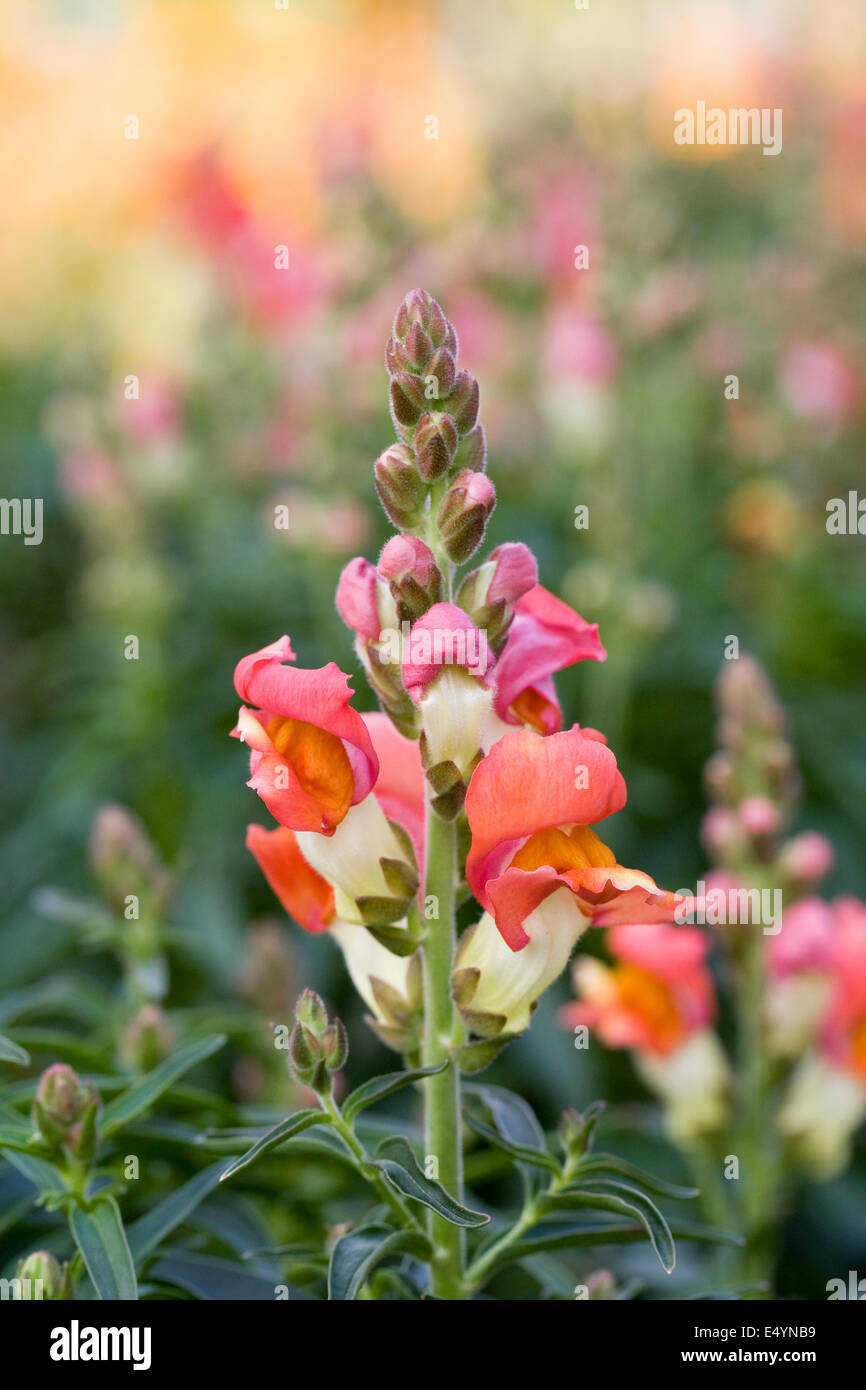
658	994
578	345
818	382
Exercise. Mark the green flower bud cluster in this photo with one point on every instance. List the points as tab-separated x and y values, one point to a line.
317	1047
434	406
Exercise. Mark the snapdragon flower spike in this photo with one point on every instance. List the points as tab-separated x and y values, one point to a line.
311	757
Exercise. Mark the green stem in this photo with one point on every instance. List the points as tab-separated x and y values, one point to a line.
442	1092
365	1167
533	1210
760	1159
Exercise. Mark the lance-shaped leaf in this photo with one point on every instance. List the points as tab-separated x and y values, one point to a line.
11	1052
395	1159
357	1254
145	1234
540	1158
44	1177
380	1086
565	1235
624	1201
512	1116
141	1095
285	1130
610	1165
101	1239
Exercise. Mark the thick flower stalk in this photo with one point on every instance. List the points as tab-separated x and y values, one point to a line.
466	774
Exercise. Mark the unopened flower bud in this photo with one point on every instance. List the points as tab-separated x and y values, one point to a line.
356	598
305	1058
462	402
335	1045
147	1039
807	858
600	1285
463	514
721	833
418	347
40	1277
408	401
65	1108
759	817
719	776
435	444
415	308
441	332
410	568
443	369
311	1013
123	856
508	573
401	488
472	451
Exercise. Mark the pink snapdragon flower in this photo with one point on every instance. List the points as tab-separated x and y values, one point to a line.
531	804
545	636
311	757
657	995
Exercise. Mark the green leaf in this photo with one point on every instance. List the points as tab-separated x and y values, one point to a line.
396	1160
11	1052
207	1277
625	1201
43	1176
515	1120
512	1116
286	1129
473	1057
131	1103
381	1086
18	1139
619	1167
356	1255
565	1235
145	1234
100	1237
540	1158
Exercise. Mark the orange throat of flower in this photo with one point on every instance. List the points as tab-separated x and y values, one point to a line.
566	851
649	999
320	764
858	1048
531	708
